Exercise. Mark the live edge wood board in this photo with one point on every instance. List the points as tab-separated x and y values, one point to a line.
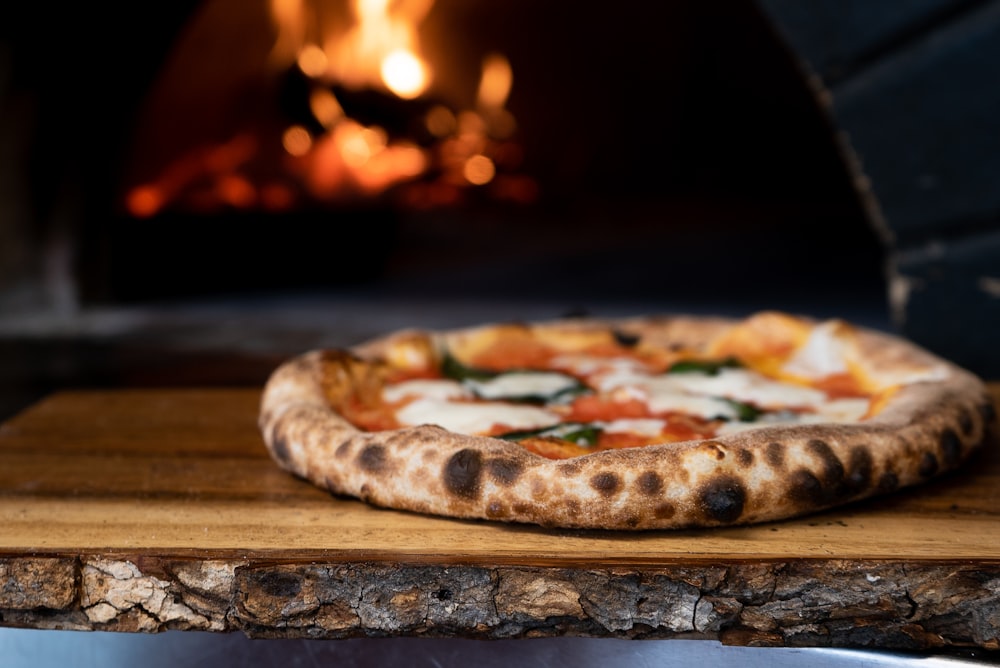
147	510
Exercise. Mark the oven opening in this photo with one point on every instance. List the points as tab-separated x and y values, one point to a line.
664	152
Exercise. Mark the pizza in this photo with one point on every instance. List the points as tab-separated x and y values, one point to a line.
648	422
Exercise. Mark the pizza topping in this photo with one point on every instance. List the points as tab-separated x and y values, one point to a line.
476	417
574	432
427	388
823	354
611	394
527	386
586	392
710	367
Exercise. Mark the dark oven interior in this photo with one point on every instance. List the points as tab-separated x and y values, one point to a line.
668	151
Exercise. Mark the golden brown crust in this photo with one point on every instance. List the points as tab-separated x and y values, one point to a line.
929	426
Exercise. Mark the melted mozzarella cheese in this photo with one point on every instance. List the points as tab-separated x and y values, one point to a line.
426	388
837	410
843	410
710	408
750	387
824	353
522	384
474	417
641	426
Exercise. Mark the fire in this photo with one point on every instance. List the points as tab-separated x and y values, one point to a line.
404	74
333	157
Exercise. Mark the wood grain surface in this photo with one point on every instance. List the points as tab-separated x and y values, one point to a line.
152	509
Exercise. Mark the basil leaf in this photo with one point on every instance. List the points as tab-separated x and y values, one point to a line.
452	368
574	432
563	395
710	367
744	412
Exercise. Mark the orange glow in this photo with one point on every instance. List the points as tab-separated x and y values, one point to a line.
440	121
479	170
404	74
296	140
364	50
313	61
324	107
144	201
354	159
236	191
494	86
277	197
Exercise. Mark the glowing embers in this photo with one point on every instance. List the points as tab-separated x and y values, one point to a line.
358	118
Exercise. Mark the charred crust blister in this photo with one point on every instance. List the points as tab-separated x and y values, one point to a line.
805	488
343	449
722	499
860	468
463	473
928	465
373	458
888	482
965	421
650	483
833	468
951	448
774	453
606	483
744	457
279	448
504	471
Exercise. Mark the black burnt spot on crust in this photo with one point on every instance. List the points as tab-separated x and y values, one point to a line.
343	449
928	465
463	473
888	482
774	453
428	433
833	470
860	466
744	457
279	447
722	499
373	459
965	421
504	471
951	448
606	483
649	483
569	469
804	487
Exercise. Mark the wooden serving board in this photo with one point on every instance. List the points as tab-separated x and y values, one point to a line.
145	510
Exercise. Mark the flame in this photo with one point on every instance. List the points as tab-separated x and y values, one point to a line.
333	156
495	83
380	49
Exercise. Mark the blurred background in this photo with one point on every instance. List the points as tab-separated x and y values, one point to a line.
192	191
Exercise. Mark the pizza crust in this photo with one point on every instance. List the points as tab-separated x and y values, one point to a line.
926	428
